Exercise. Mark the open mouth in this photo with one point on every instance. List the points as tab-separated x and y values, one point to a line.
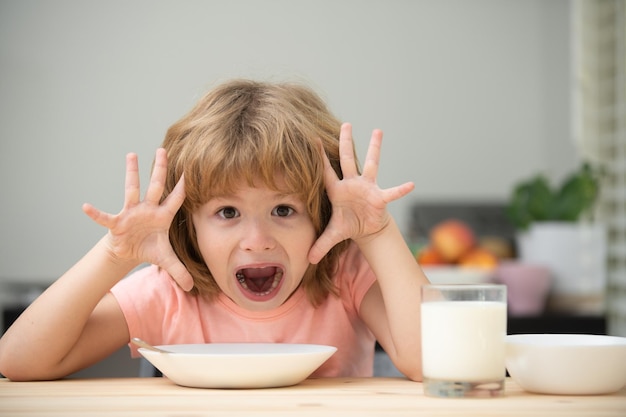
260	281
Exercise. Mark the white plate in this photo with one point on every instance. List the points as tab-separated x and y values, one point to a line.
457	275
239	365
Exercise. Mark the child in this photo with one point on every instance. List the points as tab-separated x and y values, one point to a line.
258	227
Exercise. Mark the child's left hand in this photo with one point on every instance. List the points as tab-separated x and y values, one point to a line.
359	205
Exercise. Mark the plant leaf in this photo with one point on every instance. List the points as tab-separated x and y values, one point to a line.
531	201
577	194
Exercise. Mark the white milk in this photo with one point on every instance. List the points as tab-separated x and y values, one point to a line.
464	340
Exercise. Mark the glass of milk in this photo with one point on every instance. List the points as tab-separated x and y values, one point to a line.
463	339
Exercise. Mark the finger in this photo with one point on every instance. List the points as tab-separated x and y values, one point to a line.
131	184
175	199
100	217
372	159
327	240
395	193
346	151
157	179
178	272
330	175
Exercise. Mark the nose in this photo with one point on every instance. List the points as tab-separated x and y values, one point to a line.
257	236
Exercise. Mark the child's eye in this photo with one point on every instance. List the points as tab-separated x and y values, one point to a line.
283	211
228	212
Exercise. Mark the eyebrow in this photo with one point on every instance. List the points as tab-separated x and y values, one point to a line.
276	195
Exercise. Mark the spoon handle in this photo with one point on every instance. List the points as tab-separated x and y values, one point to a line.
147	345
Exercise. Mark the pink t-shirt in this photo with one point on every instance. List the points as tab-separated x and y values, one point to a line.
158	311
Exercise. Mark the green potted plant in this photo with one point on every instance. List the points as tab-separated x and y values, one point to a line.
556	228
535	200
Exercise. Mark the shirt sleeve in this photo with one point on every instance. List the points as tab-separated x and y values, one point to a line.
144	297
356	277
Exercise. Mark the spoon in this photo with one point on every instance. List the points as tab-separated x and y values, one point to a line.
147	345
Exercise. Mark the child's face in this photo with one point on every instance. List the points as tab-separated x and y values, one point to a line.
255	243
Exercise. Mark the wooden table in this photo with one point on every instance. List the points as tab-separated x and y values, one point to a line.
155	397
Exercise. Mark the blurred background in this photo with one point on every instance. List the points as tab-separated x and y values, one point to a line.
472	96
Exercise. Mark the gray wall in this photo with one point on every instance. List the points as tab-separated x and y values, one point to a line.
472	96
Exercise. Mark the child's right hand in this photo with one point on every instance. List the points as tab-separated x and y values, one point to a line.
140	232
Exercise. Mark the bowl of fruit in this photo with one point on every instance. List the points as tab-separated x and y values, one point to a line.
455	255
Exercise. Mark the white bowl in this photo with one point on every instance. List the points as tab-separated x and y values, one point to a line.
567	364
238	365
457	275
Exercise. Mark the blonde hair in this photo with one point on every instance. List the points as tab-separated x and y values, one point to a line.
251	131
